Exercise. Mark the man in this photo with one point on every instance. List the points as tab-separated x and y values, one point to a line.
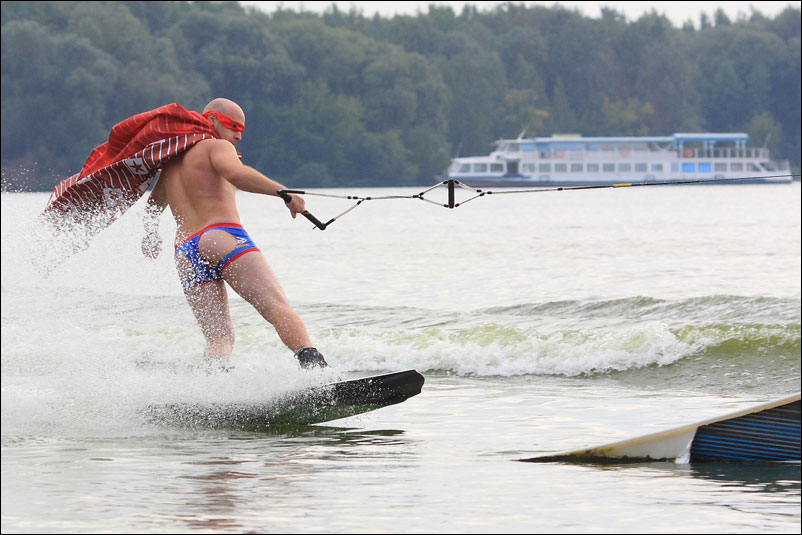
212	248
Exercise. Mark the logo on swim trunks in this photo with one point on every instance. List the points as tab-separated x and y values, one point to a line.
241	242
136	166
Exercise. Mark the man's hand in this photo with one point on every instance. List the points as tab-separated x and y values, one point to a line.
296	206
151	244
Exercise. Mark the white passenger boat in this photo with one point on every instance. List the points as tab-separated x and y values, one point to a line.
573	160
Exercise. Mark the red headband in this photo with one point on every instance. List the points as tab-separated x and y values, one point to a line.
228	122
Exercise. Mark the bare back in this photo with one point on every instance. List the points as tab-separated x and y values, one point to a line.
197	193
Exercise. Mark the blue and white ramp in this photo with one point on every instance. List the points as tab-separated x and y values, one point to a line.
767	432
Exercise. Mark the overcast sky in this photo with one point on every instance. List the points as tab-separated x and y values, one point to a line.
677	11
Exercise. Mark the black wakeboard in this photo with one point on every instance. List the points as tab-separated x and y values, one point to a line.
308	406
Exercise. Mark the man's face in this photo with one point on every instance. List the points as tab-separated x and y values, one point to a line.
231	132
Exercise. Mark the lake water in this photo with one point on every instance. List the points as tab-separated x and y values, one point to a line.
542	322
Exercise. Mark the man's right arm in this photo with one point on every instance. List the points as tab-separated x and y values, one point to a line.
152	240
224	159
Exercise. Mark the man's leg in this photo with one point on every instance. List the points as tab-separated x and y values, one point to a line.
209	304
252	278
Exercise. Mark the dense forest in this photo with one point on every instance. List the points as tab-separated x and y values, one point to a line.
340	99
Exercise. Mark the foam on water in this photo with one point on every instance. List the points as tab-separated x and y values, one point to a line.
85	347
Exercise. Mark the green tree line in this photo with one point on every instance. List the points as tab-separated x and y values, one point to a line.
340	99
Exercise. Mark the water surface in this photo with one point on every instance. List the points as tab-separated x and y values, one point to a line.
542	322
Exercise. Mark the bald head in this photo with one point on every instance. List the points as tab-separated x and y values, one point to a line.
225	106
227	119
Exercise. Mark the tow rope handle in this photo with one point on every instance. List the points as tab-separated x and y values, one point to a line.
285	194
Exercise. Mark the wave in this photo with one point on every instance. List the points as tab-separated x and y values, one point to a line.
710	336
569	338
499	350
95	369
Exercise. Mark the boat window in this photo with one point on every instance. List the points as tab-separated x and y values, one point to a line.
480	168
640	167
513	147
576	167
657	167
607	147
736	166
560	168
705	167
674	167
753	167
527	147
465	168
544	168
496	167
593	168
608	167
625	168
688	167
528	167
720	166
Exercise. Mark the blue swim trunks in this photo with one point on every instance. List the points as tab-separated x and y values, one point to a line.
202	269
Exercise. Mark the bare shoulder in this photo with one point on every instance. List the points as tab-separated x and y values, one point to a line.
210	144
220	146
209	149
223	155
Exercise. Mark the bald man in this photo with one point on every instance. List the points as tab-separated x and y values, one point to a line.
212	247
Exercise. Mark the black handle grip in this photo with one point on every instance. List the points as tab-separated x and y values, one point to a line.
285	194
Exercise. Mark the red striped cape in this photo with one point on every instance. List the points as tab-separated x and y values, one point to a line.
119	172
